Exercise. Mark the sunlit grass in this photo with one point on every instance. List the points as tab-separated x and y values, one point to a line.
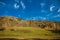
28	32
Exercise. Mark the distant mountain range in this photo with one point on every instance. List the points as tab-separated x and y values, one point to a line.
8	21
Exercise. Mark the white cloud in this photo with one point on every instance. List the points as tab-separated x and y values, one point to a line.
51	8
16	6
58	10
22	4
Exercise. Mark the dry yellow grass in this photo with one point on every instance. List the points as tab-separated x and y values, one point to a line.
28	32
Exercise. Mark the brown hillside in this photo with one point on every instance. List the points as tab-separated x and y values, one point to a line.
8	21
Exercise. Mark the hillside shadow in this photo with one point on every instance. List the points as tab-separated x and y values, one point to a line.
55	31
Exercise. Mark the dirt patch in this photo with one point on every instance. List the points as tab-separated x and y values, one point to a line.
26	39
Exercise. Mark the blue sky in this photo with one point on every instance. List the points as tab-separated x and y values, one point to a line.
31	9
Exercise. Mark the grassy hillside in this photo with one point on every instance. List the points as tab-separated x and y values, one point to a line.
11	27
28	32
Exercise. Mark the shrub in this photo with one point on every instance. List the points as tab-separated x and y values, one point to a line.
2	29
12	29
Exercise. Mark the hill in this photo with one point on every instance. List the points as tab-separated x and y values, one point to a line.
8	21
12	27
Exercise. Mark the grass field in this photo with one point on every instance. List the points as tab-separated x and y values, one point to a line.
28	32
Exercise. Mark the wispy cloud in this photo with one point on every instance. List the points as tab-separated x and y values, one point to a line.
19	15
42	4
30	0
49	14
17	1
22	4
2	3
43	18
31	18
56	16
43	11
16	6
36	18
58	10
51	8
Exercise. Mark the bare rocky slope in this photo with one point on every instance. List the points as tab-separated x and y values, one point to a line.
8	21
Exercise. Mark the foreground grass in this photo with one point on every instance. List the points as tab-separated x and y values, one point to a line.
28	32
